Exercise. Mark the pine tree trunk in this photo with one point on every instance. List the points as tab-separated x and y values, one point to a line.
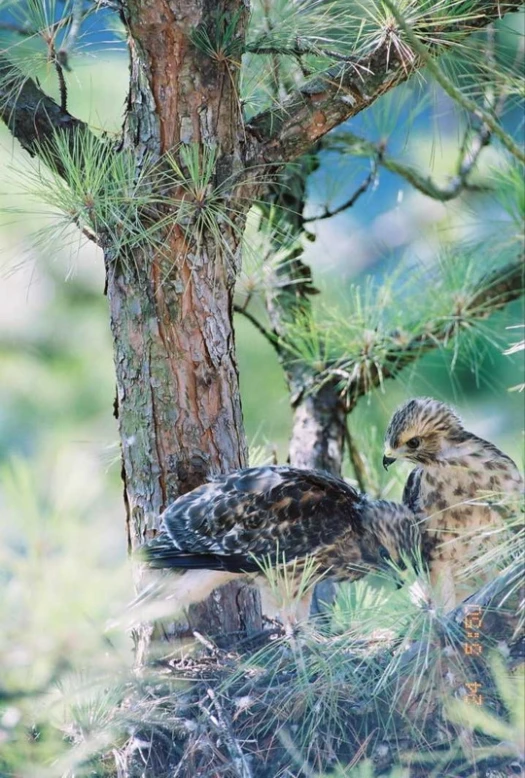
178	400
318	430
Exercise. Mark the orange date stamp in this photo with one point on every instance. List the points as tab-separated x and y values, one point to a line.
472	647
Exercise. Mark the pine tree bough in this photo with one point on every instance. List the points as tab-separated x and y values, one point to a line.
288	131
490	294
31	116
278	135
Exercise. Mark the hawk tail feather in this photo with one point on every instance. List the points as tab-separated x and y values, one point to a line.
160	554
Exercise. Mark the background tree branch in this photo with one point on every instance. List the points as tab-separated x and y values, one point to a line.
459	182
489	294
453	92
32	116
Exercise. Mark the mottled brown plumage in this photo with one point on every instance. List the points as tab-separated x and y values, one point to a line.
228	527
456	487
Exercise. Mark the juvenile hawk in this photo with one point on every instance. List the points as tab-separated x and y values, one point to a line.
223	529
450	487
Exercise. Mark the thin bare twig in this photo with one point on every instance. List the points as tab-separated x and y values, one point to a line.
471	150
369	180
357	461
223	726
268	334
208	645
58	62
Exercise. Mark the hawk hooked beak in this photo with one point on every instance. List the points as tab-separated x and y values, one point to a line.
387	461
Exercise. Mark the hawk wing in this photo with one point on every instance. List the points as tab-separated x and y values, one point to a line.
412	488
266	512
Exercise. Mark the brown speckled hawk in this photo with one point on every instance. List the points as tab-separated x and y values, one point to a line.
458	488
229	526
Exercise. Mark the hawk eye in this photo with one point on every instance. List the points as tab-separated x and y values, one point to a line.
383	553
413	443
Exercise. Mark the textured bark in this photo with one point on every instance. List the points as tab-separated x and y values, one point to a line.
318	431
179	406
178	400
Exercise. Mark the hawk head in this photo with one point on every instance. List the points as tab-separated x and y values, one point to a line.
424	431
391	536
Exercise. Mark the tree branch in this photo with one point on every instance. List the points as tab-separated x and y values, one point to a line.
300	49
225	729
448	87
318	431
32	116
272	339
494	291
60	63
357	461
371	177
425	184
287	131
